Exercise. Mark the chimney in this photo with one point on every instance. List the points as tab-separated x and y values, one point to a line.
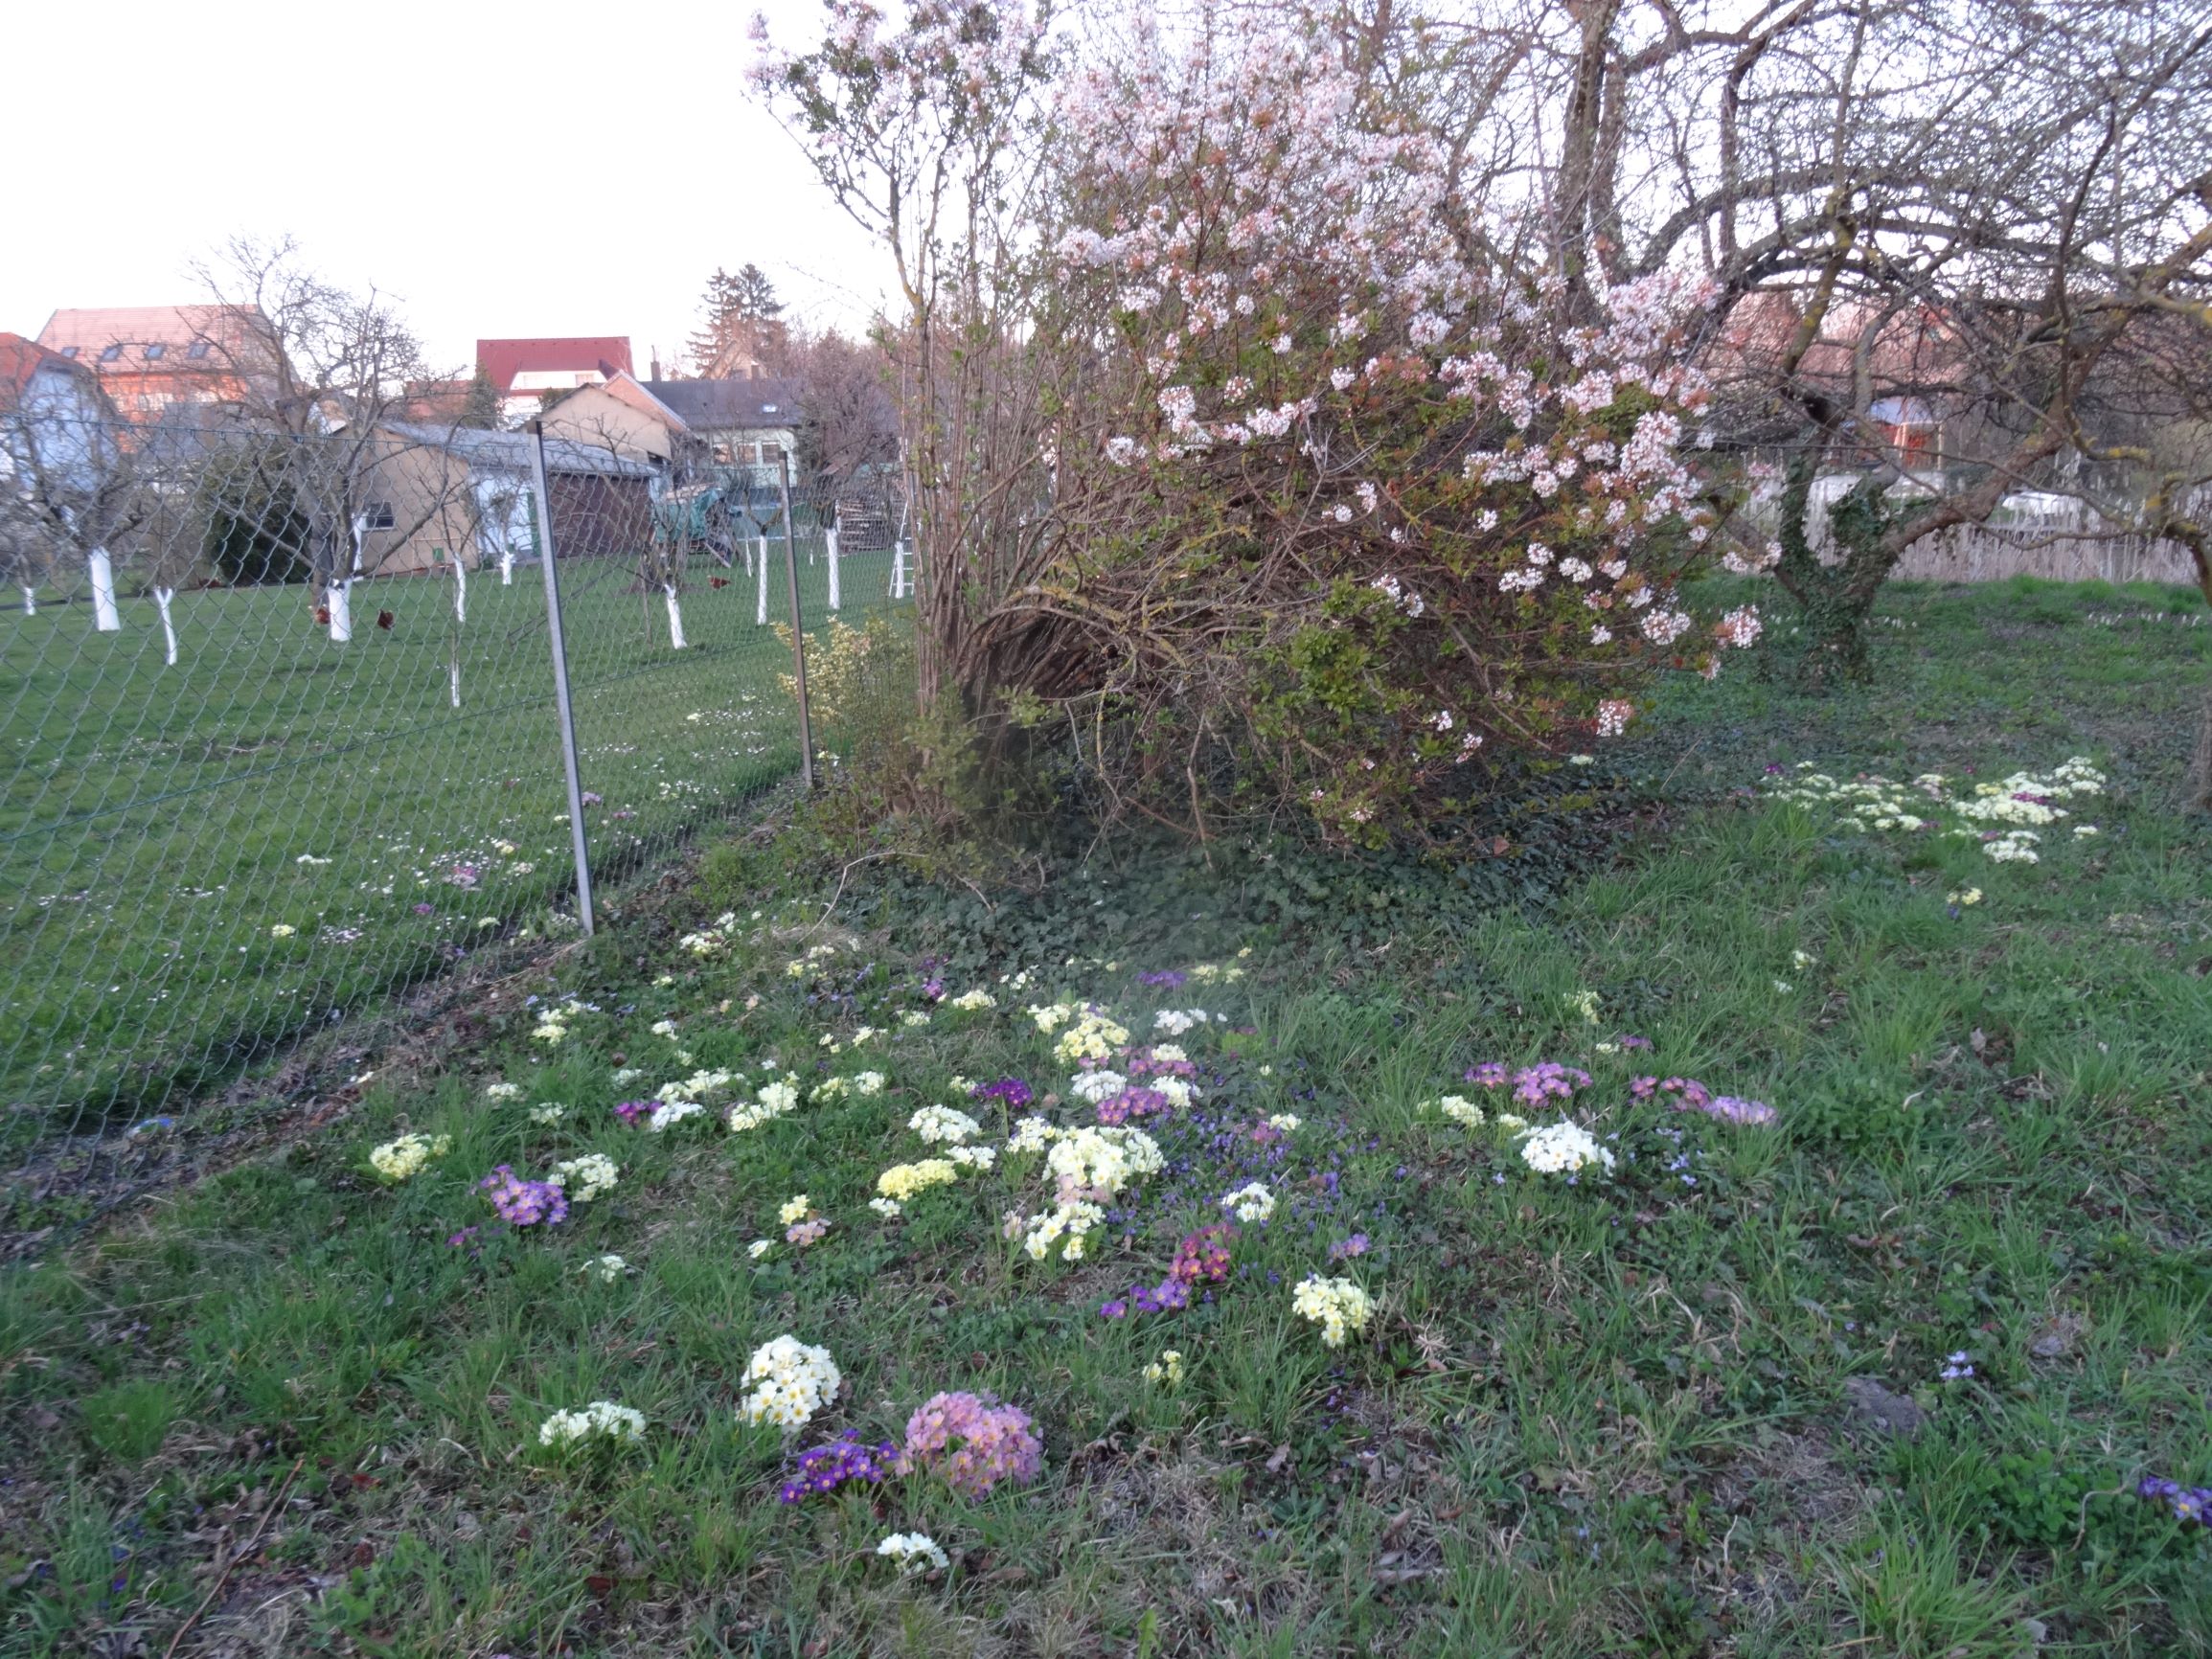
657	363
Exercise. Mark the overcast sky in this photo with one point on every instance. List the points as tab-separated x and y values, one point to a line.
557	168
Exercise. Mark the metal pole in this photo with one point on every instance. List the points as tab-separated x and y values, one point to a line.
798	639
560	676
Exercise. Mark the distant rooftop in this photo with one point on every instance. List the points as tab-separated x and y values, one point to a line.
502	360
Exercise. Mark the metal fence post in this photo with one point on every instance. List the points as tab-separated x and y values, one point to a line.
798	638
567	712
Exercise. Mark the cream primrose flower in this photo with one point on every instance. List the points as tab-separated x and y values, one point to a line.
775	1099
549	1030
790	1382
914	1552
1051	1016
593	1173
1964	897
1585	1003
1287	1122
974	1001
503	1091
1168	1368
1564	1149
1096	1163
1172	1052
670	1113
664	1028
1066	1224
890	1209
1093	1036
760	1247
1339	1307
409	1156
282	930
942	1123
913	1018
1250	1202
606	1269
1175	1021
1092	1087
1461	1110
794	1209
903	1181
1032	1135
973	1157
551	1112
601	1419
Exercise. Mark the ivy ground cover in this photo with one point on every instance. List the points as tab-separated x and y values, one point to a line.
1793	1241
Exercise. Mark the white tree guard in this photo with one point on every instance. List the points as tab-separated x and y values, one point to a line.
30	601
455	675
105	616
760	607
460	590
675	616
161	598
340	597
830	540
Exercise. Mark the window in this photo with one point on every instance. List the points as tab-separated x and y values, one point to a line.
377	516
111	353
153	352
767	408
69	351
196	351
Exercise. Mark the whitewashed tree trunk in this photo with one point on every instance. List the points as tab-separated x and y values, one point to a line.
30	601
456	678
340	597
161	598
104	617
829	541
761	609
675	616
507	567
460	590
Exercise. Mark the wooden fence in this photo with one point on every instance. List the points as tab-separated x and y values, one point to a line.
1992	553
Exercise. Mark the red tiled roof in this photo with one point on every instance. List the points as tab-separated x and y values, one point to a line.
503	360
20	359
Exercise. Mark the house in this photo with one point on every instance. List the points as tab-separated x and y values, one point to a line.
439	494
523	370
623	417
55	424
149	359
747	422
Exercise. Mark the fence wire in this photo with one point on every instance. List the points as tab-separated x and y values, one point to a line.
280	735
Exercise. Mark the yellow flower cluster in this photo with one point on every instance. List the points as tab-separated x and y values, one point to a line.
1168	1368
409	1155
903	1181
1338	1305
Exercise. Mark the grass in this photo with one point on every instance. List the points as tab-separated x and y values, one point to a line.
157	823
1611	1418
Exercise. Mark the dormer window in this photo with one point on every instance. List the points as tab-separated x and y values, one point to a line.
70	352
111	354
153	353
196	350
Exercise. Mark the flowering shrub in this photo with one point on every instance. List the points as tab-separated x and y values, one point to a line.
1339	1307
409	1156
602	1420
789	1381
1407	504
973	1442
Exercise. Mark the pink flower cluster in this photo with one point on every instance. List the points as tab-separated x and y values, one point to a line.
1532	1085
1132	1103
1689	1094
973	1441
1202	1258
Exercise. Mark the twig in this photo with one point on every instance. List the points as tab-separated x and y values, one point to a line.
223	1578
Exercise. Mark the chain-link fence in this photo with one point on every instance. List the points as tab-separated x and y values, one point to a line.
281	726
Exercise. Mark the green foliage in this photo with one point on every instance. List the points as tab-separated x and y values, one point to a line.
254	527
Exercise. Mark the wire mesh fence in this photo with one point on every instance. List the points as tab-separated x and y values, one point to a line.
278	711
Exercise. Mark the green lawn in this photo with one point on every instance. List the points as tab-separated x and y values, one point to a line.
1629	1416
157	823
